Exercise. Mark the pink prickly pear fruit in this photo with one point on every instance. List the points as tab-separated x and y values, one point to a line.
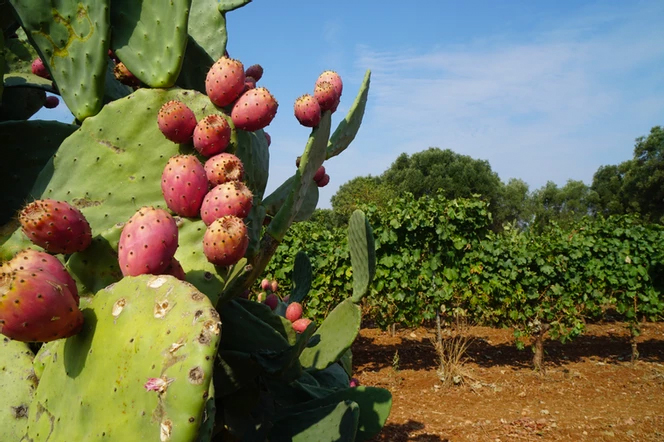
301	325
354	382
51	102
56	226
35	307
261	297
148	242
320	173
230	198
225	81
334	79
268	138
294	311
272	301
323	181
286	299
307	111
175	269
255	71
249	83
176	121
265	284
42	263
39	69
326	95
254	110
274	285
212	135
223	168
124	75
225	241
184	185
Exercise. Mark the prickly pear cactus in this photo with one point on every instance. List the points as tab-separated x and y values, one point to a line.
182	356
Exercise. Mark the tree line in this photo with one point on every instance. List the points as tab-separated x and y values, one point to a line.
635	186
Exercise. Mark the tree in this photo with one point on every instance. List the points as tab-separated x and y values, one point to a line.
360	190
565	206
514	203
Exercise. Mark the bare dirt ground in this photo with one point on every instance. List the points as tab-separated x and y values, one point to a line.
590	390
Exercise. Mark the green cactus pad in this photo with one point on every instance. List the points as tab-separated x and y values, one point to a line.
302	277
45	355
335	335
19	54
345	133
26	148
150	38
231	5
140	328
72	38
17	386
362	254
334	422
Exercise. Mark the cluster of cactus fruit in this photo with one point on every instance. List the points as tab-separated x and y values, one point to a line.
130	239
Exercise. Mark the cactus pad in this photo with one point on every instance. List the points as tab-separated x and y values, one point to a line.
17	385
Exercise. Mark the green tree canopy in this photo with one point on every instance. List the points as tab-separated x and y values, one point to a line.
360	190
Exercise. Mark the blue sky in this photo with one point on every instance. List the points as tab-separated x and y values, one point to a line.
545	91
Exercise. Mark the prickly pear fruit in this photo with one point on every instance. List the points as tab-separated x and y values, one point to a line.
51	102
320	173
326	95
307	111
176	121
57	226
272	301
148	242
354	382
225	241
301	324
323	181
249	83
255	71
42	263
286	299
265	284
274	286
212	135
225	81
254	110
223	168
294	311
261	297
230	198
334	79
184	185
268	138
39	69
175	269
34	307
124	75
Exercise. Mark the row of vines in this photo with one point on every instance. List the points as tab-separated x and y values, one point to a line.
436	255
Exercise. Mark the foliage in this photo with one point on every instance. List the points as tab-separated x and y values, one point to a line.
361	191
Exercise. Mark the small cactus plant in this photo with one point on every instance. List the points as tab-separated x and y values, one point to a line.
158	215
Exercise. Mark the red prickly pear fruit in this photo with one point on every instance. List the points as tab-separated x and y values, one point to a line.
225	81
265	284
230	198
184	185
51	102
124	75
272	301
42	263
274	285
294	311
39	69
225	241
176	121
297	161
254	110
323	181
354	382
175	269
35	307
307	111
56	226
255	71
334	79
212	135
148	242
301	325
268	138
320	173
223	168
249	83
112	56
326	95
